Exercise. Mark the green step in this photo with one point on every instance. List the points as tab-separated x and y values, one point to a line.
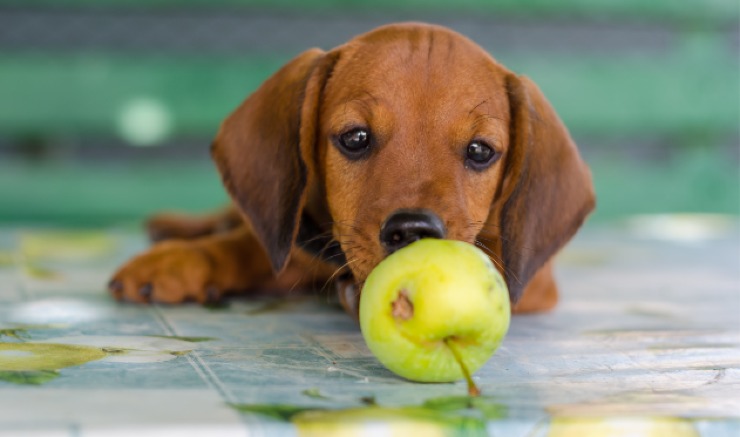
693	89
683	11
105	193
99	193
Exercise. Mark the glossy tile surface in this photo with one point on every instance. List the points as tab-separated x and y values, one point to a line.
646	339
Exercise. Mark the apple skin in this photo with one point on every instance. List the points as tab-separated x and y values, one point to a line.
457	300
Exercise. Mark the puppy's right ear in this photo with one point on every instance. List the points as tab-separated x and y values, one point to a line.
549	193
258	151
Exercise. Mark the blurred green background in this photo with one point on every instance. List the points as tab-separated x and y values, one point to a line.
107	107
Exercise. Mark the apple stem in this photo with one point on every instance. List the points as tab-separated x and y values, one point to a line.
473	389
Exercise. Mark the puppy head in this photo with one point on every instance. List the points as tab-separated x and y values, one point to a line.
414	125
407	132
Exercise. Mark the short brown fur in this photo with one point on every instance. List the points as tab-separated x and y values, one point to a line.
424	92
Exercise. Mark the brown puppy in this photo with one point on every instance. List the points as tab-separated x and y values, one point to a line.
341	157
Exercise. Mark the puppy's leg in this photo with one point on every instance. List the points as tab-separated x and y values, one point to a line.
200	269
204	269
541	293
171	225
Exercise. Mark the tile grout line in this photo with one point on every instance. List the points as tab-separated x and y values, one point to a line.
203	370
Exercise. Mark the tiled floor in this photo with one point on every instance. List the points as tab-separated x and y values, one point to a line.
646	339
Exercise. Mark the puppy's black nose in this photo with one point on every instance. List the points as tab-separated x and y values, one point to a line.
405	226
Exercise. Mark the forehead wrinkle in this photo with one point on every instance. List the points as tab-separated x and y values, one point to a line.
361	105
483	118
482	115
417	76
357	105
477	106
365	100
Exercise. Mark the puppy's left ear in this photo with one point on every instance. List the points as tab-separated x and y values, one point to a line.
264	151
547	187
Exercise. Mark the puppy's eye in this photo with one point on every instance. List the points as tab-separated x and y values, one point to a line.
480	155
355	139
354	143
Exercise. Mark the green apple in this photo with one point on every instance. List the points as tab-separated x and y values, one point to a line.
435	311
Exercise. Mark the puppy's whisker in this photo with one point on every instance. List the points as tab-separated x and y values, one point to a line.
322	253
353	224
524	250
330	257
316	238
353	227
486	226
497	261
336	272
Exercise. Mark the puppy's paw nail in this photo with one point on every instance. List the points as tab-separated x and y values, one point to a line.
146	290
115	287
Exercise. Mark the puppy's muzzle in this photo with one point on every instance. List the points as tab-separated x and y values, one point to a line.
404	226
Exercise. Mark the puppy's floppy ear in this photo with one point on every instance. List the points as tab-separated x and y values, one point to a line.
547	190
258	151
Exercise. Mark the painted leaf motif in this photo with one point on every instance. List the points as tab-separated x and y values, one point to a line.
28	377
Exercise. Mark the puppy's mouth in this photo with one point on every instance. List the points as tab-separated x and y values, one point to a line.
323	246
401	228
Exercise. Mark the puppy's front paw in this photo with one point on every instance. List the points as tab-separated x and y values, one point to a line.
169	272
